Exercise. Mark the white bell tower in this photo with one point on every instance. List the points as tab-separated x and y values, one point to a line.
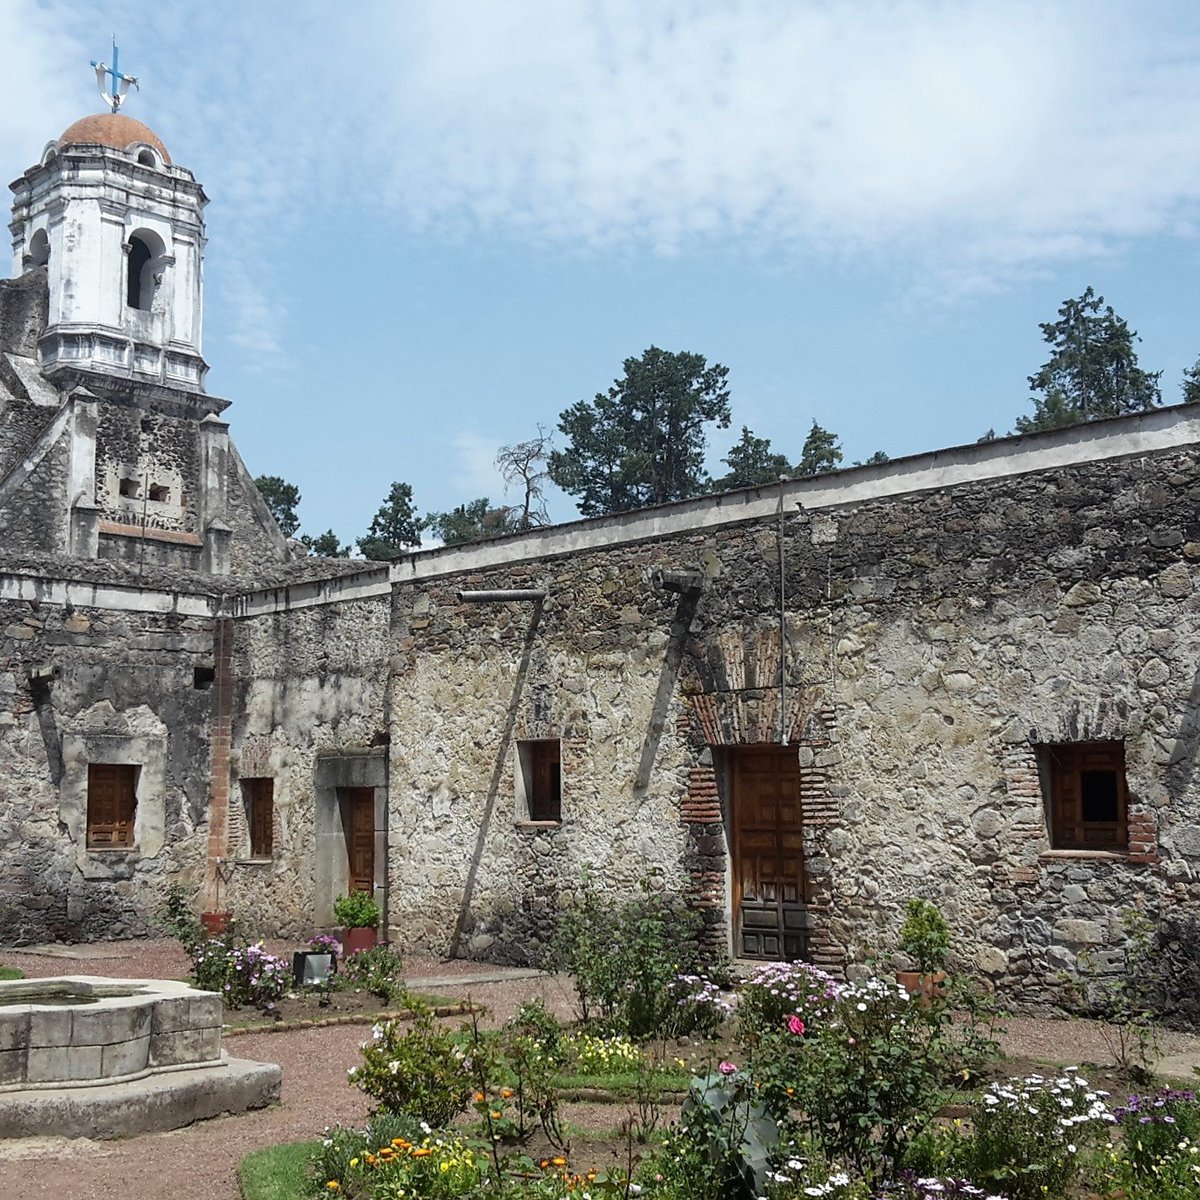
120	230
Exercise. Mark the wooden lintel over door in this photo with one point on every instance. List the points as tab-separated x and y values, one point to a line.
768	853
358	820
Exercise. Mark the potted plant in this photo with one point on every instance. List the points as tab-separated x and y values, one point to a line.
359	913
318	963
925	941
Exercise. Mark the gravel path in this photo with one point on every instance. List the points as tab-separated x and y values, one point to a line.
201	1161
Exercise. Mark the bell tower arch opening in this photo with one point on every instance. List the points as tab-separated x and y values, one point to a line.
144	269
39	249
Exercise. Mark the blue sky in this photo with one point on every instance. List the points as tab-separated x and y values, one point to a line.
435	225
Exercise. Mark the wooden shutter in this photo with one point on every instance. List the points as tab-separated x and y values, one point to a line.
111	806
1078	766
261	803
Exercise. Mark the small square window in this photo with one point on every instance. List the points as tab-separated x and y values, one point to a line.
160	493
111	806
203	677
1086	783
130	487
259	796
539	779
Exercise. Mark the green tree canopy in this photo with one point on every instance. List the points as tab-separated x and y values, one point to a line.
325	545
282	499
395	528
751	463
1092	371
820	452
876	459
642	442
475	521
1191	383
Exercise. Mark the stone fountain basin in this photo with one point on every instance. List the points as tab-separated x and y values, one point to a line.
80	1030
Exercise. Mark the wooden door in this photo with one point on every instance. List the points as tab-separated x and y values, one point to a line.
768	853
358	820
111	805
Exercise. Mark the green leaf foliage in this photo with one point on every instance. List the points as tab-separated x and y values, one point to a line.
751	463
643	441
282	499
1092	371
325	545
395	528
475	521
820	453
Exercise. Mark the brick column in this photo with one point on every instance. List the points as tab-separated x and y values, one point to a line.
215	900
700	813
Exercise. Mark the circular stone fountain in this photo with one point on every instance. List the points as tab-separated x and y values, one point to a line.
82	1056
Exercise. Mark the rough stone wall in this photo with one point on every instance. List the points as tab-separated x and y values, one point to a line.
33	513
24	304
933	641
87	684
257	542
305	683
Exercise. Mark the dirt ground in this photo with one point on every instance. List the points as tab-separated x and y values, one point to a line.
201	1161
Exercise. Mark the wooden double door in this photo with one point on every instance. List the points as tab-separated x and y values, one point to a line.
767	837
358	821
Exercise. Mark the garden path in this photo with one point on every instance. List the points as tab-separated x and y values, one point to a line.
201	1161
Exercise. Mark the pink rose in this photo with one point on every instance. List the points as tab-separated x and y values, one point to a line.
796	1026
726	1068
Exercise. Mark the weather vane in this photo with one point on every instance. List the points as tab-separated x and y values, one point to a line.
120	83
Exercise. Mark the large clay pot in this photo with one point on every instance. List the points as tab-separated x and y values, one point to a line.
923	986
216	923
359	938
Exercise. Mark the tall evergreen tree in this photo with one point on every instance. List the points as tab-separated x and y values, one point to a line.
475	521
1092	371
820	452
395	528
751	463
642	442
282	499
1191	383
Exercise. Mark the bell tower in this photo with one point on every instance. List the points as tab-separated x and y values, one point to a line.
120	230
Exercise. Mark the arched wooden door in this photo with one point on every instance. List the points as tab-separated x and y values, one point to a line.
767	838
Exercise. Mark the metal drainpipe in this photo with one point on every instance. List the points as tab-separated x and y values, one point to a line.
782	622
496	597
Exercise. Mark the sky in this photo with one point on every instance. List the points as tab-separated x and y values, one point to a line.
436	224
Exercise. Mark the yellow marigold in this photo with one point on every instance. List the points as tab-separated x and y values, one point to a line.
401	1143
559	1161
334	1186
479	1097
421	1151
506	1093
371	1160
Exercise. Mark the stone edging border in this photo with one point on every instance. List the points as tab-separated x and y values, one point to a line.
403	1014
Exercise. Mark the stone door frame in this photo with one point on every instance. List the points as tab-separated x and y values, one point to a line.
361	769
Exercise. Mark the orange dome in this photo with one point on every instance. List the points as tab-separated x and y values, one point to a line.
112	129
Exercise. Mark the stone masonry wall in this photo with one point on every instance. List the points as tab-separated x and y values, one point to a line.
306	683
80	685
933	642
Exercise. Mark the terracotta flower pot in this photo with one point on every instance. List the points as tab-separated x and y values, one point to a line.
215	923
916	983
359	938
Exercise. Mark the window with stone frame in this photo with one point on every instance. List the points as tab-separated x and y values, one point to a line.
1087	795
111	806
259	797
539	779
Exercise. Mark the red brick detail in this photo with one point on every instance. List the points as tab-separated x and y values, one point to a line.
221	731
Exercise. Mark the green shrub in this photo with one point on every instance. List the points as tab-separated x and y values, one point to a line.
873	1073
243	975
1158	1133
420	1072
177	918
723	1143
778	991
358	910
624	958
1031	1134
925	936
378	969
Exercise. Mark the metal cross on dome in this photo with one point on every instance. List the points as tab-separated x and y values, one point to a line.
120	83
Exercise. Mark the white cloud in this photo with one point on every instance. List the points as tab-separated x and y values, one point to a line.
967	142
